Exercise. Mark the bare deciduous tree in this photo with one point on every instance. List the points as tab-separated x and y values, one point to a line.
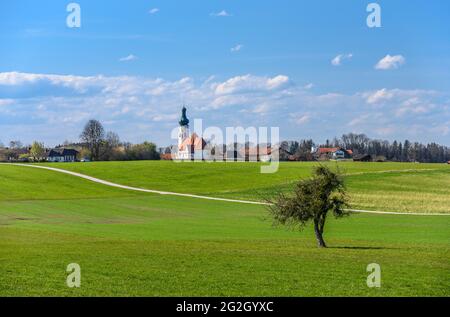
93	135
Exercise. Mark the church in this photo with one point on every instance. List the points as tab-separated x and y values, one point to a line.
190	147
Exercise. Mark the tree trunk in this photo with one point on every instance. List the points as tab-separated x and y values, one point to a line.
319	236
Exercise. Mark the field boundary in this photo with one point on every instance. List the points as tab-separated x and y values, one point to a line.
111	184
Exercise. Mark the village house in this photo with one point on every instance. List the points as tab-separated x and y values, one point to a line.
257	154
62	155
335	153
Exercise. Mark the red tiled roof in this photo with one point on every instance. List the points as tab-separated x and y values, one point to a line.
195	142
255	151
324	150
166	157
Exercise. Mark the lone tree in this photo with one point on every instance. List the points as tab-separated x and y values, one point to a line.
37	151
93	135
313	199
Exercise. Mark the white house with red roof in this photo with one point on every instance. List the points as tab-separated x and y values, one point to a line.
335	153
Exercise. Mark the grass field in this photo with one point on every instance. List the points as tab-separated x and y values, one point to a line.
403	187
136	244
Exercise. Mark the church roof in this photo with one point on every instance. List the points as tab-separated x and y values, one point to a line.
184	121
194	142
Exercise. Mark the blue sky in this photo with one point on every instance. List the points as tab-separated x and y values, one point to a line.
235	63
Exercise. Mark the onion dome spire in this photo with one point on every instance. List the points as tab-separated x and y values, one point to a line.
184	121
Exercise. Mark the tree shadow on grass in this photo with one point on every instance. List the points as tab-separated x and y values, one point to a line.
362	248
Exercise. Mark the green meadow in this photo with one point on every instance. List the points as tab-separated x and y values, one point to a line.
399	187
137	244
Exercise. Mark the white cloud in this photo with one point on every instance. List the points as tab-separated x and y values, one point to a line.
338	60
161	87
222	13
420	109
358	120
300	119
415	105
403	98
262	108
78	83
128	58
390	62
379	96
16	78
166	117
237	48
249	83
141	108
277	82
153	11
442	129
224	101
6	102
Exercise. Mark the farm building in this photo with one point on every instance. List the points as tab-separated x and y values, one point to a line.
363	158
257	154
335	153
62	155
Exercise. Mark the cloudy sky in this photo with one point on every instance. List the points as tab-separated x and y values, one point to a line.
313	68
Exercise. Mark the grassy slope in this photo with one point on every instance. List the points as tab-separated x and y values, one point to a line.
374	186
139	244
20	183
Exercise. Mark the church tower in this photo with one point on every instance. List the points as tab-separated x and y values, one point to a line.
183	132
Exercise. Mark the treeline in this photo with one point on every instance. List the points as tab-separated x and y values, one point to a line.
405	151
360	144
101	146
98	145
13	152
95	145
297	150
